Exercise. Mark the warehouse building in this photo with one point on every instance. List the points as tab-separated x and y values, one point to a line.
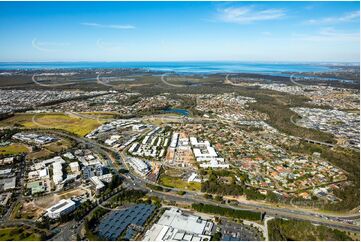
174	225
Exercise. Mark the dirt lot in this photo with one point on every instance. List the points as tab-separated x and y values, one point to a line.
34	209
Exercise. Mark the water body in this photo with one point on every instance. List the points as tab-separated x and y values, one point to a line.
178	67
183	112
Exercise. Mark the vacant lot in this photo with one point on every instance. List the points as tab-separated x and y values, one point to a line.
176	182
59	146
13	149
77	124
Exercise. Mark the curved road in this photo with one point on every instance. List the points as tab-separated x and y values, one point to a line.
137	182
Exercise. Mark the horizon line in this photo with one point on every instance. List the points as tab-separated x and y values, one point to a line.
138	61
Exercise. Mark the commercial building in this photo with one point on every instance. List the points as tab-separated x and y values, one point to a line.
34	138
139	165
74	166
57	173
69	156
61	208
36	187
176	225
98	184
7	183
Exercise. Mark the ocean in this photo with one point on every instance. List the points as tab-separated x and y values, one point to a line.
178	67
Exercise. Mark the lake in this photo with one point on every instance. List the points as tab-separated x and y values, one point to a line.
183	112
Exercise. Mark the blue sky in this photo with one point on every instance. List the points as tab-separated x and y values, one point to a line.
180	31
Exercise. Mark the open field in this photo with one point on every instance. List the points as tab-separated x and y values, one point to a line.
176	182
41	154
77	124
49	149
58	146
16	233
13	149
30	210
35	208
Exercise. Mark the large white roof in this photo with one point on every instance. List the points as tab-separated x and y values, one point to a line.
177	220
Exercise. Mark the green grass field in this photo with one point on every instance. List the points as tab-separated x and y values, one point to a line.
79	125
16	233
13	149
175	182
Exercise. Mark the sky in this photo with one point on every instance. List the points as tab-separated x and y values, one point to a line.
180	31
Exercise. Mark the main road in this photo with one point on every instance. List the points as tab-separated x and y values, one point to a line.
134	181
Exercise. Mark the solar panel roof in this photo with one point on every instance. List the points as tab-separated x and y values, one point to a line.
116	222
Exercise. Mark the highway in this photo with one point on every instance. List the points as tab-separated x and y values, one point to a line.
137	182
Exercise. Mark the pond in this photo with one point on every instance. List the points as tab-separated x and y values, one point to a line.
183	112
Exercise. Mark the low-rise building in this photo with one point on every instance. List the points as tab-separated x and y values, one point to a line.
176	225
74	166
194	178
98	184
139	165
7	183
61	208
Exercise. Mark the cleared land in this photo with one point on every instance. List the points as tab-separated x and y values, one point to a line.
35	208
13	149
175	182
77	124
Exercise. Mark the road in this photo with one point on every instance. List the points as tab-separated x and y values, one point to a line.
297	213
134	181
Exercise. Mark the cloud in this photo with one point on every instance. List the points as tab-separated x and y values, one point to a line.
245	15
348	17
329	34
109	26
47	46
109	46
266	33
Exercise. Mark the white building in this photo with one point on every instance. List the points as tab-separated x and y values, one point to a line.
69	155
44	173
207	153
53	160
214	164
195	143
106	178
74	167
139	165
61	208
174	140
57	172
34	138
193	178
98	184
175	225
